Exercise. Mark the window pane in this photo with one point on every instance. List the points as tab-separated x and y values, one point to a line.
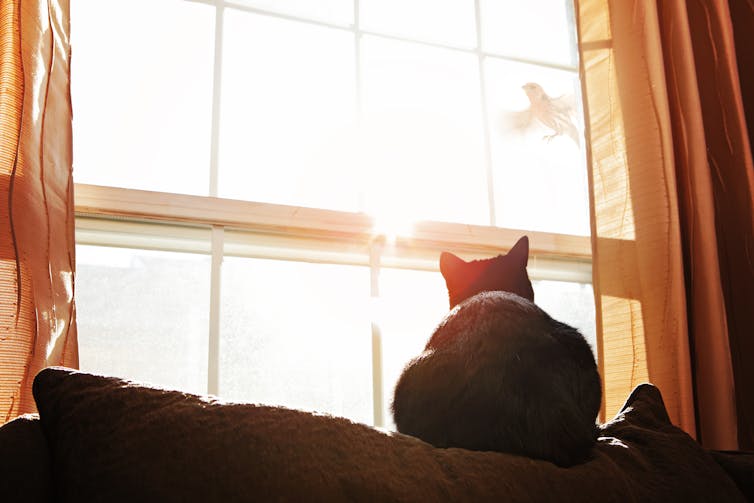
141	86
144	315
541	30
450	22
540	183
334	11
423	148
410	306
288	108
571	303
296	334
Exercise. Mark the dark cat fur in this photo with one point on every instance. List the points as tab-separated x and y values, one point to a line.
499	374
504	272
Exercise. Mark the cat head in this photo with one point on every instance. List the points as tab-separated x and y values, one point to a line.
502	273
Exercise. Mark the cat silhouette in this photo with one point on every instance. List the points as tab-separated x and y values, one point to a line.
498	373
502	273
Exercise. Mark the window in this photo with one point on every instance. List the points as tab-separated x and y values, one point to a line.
263	188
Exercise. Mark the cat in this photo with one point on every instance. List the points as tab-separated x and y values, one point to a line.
504	272
498	373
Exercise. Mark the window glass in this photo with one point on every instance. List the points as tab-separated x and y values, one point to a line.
296	334
450	22
541	30
288	110
540	180
144	315
141	88
423	153
571	303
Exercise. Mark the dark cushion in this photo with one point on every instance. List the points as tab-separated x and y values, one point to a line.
24	461
112	440
740	467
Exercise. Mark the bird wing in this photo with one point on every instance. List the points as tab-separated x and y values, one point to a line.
518	121
565	104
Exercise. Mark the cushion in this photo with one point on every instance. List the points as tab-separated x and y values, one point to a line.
114	440
740	467
24	461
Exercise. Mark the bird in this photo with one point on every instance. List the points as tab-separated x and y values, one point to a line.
554	113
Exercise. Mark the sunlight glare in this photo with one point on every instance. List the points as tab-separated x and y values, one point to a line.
391	226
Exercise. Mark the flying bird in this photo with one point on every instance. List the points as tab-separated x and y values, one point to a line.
554	113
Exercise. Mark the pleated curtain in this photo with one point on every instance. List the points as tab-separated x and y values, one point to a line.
37	312
667	87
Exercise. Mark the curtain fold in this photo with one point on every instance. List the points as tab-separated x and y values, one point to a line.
37	310
731	192
673	222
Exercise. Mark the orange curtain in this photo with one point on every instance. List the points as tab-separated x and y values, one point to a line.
672	186
37	313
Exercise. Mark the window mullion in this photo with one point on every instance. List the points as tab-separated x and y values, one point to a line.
357	36
485	121
213	350
216	101
375	253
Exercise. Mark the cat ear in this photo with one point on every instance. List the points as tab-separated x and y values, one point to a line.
520	251
450	265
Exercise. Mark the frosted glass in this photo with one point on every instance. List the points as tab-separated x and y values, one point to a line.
144	315
288	113
423	148
539	184
296	334
450	22
541	30
141	88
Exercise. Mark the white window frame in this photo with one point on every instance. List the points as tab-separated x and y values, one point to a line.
112	216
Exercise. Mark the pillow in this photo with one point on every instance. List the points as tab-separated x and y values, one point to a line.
740	467
113	440
24	461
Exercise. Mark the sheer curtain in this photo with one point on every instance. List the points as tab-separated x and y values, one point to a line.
37	314
672	187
